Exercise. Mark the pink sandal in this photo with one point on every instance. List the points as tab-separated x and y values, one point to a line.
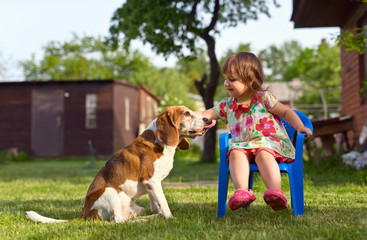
241	198
275	199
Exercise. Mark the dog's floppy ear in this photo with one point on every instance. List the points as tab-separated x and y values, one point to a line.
184	144
167	132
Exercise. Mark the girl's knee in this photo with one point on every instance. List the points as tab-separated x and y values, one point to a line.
237	155
264	155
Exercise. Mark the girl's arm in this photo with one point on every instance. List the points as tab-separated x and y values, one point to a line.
209	114
291	117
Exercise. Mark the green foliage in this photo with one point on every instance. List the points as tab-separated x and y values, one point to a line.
180	28
173	27
353	39
85	58
318	68
194	69
8	156
276	60
82	59
321	71
299	65
168	83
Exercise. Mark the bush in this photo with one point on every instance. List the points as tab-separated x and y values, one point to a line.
12	155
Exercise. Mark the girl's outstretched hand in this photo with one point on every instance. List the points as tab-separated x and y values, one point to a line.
303	129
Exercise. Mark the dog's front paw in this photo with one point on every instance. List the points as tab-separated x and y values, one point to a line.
118	219
168	215
171	217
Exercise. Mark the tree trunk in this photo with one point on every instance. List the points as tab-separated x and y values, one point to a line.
210	139
210	142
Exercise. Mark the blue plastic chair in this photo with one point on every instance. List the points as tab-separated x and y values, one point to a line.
294	170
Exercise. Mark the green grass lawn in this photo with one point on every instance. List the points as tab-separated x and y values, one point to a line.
335	205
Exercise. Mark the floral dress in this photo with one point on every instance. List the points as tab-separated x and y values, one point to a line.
252	126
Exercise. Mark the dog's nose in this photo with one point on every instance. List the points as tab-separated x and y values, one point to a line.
205	120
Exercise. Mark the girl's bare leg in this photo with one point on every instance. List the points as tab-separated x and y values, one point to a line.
269	170
239	168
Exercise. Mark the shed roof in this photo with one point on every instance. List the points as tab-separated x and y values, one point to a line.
81	82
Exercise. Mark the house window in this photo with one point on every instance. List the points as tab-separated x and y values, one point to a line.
127	114
91	111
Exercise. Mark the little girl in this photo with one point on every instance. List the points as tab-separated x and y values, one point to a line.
257	132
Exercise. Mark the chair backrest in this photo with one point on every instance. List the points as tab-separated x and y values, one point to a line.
291	130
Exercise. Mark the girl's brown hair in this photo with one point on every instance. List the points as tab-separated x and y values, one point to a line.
247	68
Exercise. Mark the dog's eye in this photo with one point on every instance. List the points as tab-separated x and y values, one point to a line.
187	114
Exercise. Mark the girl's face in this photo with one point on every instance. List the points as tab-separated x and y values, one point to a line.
237	88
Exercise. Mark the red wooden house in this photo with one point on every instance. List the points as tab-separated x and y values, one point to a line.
346	14
59	118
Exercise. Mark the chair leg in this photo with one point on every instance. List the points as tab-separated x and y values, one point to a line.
251	180
222	191
297	195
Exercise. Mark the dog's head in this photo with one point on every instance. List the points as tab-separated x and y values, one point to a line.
176	123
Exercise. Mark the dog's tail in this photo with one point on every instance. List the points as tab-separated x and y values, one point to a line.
35	217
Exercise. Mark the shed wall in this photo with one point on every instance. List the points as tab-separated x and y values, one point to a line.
76	134
15	117
125	121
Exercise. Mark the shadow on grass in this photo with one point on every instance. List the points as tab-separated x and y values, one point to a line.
58	209
70	209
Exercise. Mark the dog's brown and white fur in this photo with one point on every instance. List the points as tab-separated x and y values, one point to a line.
139	169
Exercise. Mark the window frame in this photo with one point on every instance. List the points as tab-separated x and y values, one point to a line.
91	111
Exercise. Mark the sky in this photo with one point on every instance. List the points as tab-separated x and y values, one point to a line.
27	26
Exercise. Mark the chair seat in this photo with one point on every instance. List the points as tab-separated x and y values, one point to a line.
294	169
283	167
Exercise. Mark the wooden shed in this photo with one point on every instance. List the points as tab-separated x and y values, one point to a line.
59	118
345	14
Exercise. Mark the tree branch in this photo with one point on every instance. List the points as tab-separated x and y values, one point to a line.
215	16
192	15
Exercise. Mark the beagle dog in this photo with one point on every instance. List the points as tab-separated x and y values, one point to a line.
139	169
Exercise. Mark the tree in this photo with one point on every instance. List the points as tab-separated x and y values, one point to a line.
275	60
168	83
176	27
194	68
85	58
323	75
318	68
